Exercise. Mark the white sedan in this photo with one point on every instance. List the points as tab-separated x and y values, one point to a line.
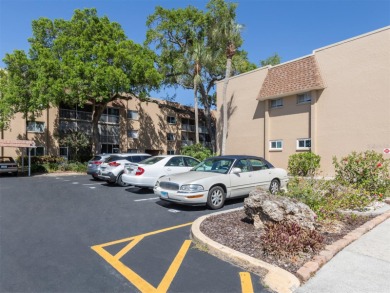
146	173
218	178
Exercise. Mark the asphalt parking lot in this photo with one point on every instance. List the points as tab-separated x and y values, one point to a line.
73	234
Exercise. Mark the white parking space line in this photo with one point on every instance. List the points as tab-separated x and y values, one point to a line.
75	183
92	187
173	211
145	199
93	184
66	180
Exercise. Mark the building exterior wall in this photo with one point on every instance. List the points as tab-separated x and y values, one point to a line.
354	108
351	112
245	114
287	123
151	124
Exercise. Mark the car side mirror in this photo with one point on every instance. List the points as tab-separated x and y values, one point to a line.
236	170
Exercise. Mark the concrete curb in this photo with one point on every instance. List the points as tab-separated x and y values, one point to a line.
58	174
311	267
275	278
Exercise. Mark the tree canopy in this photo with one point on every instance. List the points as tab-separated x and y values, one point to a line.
87	59
272	60
190	55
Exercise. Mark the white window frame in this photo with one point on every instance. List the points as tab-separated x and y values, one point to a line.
278	103
276	147
171	134
132	133
169	118
133	115
32	126
304	98
305	140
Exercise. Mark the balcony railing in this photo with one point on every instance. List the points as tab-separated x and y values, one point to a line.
73	114
109	139
191	128
191	142
109	118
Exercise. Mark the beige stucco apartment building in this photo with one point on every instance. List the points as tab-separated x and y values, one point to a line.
331	102
155	127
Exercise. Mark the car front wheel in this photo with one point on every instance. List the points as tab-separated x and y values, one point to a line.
274	186
216	198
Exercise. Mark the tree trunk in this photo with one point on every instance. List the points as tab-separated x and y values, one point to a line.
97	113
224	106
196	113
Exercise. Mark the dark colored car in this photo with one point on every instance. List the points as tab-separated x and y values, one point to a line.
8	165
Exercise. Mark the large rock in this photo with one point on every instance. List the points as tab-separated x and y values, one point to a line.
261	206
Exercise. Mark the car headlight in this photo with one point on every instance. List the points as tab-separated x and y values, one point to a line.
191	188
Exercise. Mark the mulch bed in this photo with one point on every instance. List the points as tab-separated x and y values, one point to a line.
235	230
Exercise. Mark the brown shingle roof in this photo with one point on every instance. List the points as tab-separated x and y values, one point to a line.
290	78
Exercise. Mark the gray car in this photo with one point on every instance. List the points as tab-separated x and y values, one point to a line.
94	164
112	168
8	165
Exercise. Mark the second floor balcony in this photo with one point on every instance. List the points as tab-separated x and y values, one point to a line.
73	114
87	116
191	128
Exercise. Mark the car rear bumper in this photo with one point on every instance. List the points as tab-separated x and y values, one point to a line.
107	176
8	170
140	181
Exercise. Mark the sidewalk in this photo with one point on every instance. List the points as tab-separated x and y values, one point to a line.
361	267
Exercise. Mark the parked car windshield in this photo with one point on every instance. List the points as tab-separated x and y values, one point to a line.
216	165
151	160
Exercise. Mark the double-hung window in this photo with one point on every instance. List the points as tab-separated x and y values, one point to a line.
276	103
132	114
132	133
38	151
170	137
304	144
171	120
34	126
276	145
170	152
304	98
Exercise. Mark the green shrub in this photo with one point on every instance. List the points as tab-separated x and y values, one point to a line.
289	239
36	168
197	151
39	160
367	170
74	167
327	197
303	164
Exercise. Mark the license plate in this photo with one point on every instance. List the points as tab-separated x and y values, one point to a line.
164	194
4	167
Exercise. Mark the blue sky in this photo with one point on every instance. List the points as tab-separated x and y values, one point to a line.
291	28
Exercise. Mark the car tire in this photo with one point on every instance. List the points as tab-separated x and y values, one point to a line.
120	182
216	198
16	174
274	187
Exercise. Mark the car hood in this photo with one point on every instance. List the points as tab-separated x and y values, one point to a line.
189	177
